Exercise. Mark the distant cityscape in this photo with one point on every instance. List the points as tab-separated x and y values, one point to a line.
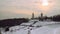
51	18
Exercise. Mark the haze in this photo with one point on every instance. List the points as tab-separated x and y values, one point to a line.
24	8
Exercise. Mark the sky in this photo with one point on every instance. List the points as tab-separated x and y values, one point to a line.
25	8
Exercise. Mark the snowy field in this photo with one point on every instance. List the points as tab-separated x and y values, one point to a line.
35	27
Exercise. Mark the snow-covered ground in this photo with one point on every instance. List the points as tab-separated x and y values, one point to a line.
45	27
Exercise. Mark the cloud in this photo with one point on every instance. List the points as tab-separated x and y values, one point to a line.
21	8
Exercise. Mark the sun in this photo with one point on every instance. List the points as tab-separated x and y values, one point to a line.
44	2
46	5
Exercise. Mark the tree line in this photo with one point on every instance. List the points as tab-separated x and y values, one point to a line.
12	22
52	18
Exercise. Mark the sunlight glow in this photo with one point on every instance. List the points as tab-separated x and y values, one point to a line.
45	2
46	5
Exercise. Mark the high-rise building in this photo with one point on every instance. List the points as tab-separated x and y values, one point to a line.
32	15
41	15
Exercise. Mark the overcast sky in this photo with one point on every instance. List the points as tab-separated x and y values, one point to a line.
24	8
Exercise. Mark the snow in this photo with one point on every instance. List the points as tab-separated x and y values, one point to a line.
42	30
27	23
43	23
22	31
57	31
48	27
